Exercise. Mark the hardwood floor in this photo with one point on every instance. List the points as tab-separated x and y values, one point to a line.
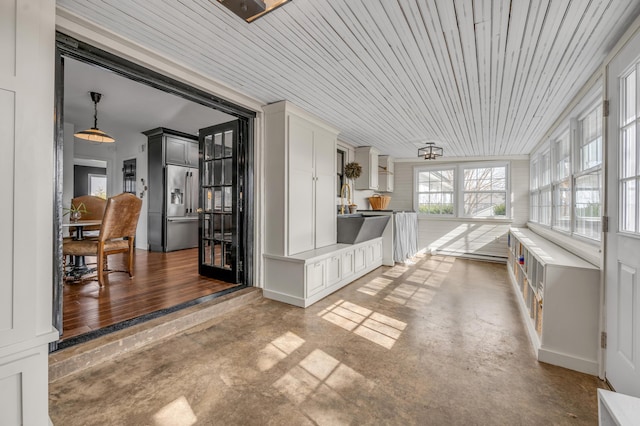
162	280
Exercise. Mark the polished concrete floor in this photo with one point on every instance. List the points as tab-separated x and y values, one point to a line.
440	342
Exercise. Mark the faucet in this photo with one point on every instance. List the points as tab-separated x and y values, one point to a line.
346	187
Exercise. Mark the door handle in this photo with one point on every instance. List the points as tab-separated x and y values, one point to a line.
199	210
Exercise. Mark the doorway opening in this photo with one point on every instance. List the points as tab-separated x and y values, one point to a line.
134	101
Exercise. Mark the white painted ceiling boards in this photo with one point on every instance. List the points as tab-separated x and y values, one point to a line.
479	77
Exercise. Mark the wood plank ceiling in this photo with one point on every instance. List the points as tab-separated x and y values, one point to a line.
481	78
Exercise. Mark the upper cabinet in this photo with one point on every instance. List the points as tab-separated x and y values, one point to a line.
367	157
300	181
176	147
385	173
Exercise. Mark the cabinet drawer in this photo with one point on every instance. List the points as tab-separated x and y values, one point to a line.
315	275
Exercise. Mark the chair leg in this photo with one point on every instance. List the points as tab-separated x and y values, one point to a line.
131	253
101	258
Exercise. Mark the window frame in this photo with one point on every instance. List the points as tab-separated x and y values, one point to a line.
458	191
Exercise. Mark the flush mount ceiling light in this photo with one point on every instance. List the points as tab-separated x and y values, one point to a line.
250	10
430	152
94	134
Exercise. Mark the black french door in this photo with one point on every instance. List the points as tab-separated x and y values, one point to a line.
221	213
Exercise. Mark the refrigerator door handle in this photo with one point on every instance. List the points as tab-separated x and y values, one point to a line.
186	192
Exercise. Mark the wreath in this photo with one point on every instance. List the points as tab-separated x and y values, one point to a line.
352	170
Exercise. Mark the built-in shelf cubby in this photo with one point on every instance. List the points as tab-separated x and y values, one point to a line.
559	298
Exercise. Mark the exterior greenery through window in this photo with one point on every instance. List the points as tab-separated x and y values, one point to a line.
566	187
436	189
480	190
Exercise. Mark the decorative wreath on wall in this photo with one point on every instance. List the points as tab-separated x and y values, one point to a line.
352	170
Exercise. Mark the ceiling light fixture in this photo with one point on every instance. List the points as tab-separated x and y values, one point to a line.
250	10
430	152
94	134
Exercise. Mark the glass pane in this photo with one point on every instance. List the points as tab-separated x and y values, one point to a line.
228	171
228	199
208	147
217	172
228	143
228	228
217	145
628	208
217	226
217	199
628	154
629	98
217	254
228	256
207	252
562	206
208	206
207	226
588	205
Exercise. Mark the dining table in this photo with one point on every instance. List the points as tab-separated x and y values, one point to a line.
78	266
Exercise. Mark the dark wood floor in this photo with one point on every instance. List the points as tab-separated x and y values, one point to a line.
162	280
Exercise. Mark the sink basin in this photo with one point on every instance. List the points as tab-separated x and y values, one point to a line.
356	228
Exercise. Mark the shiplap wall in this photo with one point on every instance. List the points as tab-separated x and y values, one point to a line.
465	236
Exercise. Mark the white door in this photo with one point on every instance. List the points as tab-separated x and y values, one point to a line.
622	366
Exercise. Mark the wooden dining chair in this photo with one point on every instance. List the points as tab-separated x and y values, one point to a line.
117	234
94	207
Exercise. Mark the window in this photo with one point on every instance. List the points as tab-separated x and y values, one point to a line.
629	178
98	185
465	190
485	191
588	176
436	191
562	183
566	177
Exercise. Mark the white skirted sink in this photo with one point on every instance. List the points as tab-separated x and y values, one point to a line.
356	228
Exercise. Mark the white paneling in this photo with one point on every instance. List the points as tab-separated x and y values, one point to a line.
7	134
10	399
483	78
8	37
625	316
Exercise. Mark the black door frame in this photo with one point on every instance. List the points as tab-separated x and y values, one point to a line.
70	47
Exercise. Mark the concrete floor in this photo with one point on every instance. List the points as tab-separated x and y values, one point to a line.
436	343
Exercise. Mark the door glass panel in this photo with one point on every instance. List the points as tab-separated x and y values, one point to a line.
208	147
228	144
228	171
217	199
217	172
228	198
628	206
217	145
207	253
628	152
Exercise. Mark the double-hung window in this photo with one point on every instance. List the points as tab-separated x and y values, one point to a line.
436	191
588	176
562	183
544	180
485	191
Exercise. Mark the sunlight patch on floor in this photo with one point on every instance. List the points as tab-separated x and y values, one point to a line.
373	326
278	349
176	413
412	296
374	286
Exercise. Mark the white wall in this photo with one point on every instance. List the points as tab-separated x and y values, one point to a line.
465	236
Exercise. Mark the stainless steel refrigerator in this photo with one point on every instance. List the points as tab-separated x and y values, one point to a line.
181	197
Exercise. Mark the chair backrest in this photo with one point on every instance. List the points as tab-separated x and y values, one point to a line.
120	217
94	205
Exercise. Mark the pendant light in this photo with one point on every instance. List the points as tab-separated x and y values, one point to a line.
94	134
430	152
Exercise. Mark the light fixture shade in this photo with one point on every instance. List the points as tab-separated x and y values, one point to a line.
94	134
431	151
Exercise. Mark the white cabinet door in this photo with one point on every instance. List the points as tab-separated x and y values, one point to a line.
315	277
325	186
334	270
348	266
301	203
359	261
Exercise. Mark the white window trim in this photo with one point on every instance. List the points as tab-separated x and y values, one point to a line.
458	203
